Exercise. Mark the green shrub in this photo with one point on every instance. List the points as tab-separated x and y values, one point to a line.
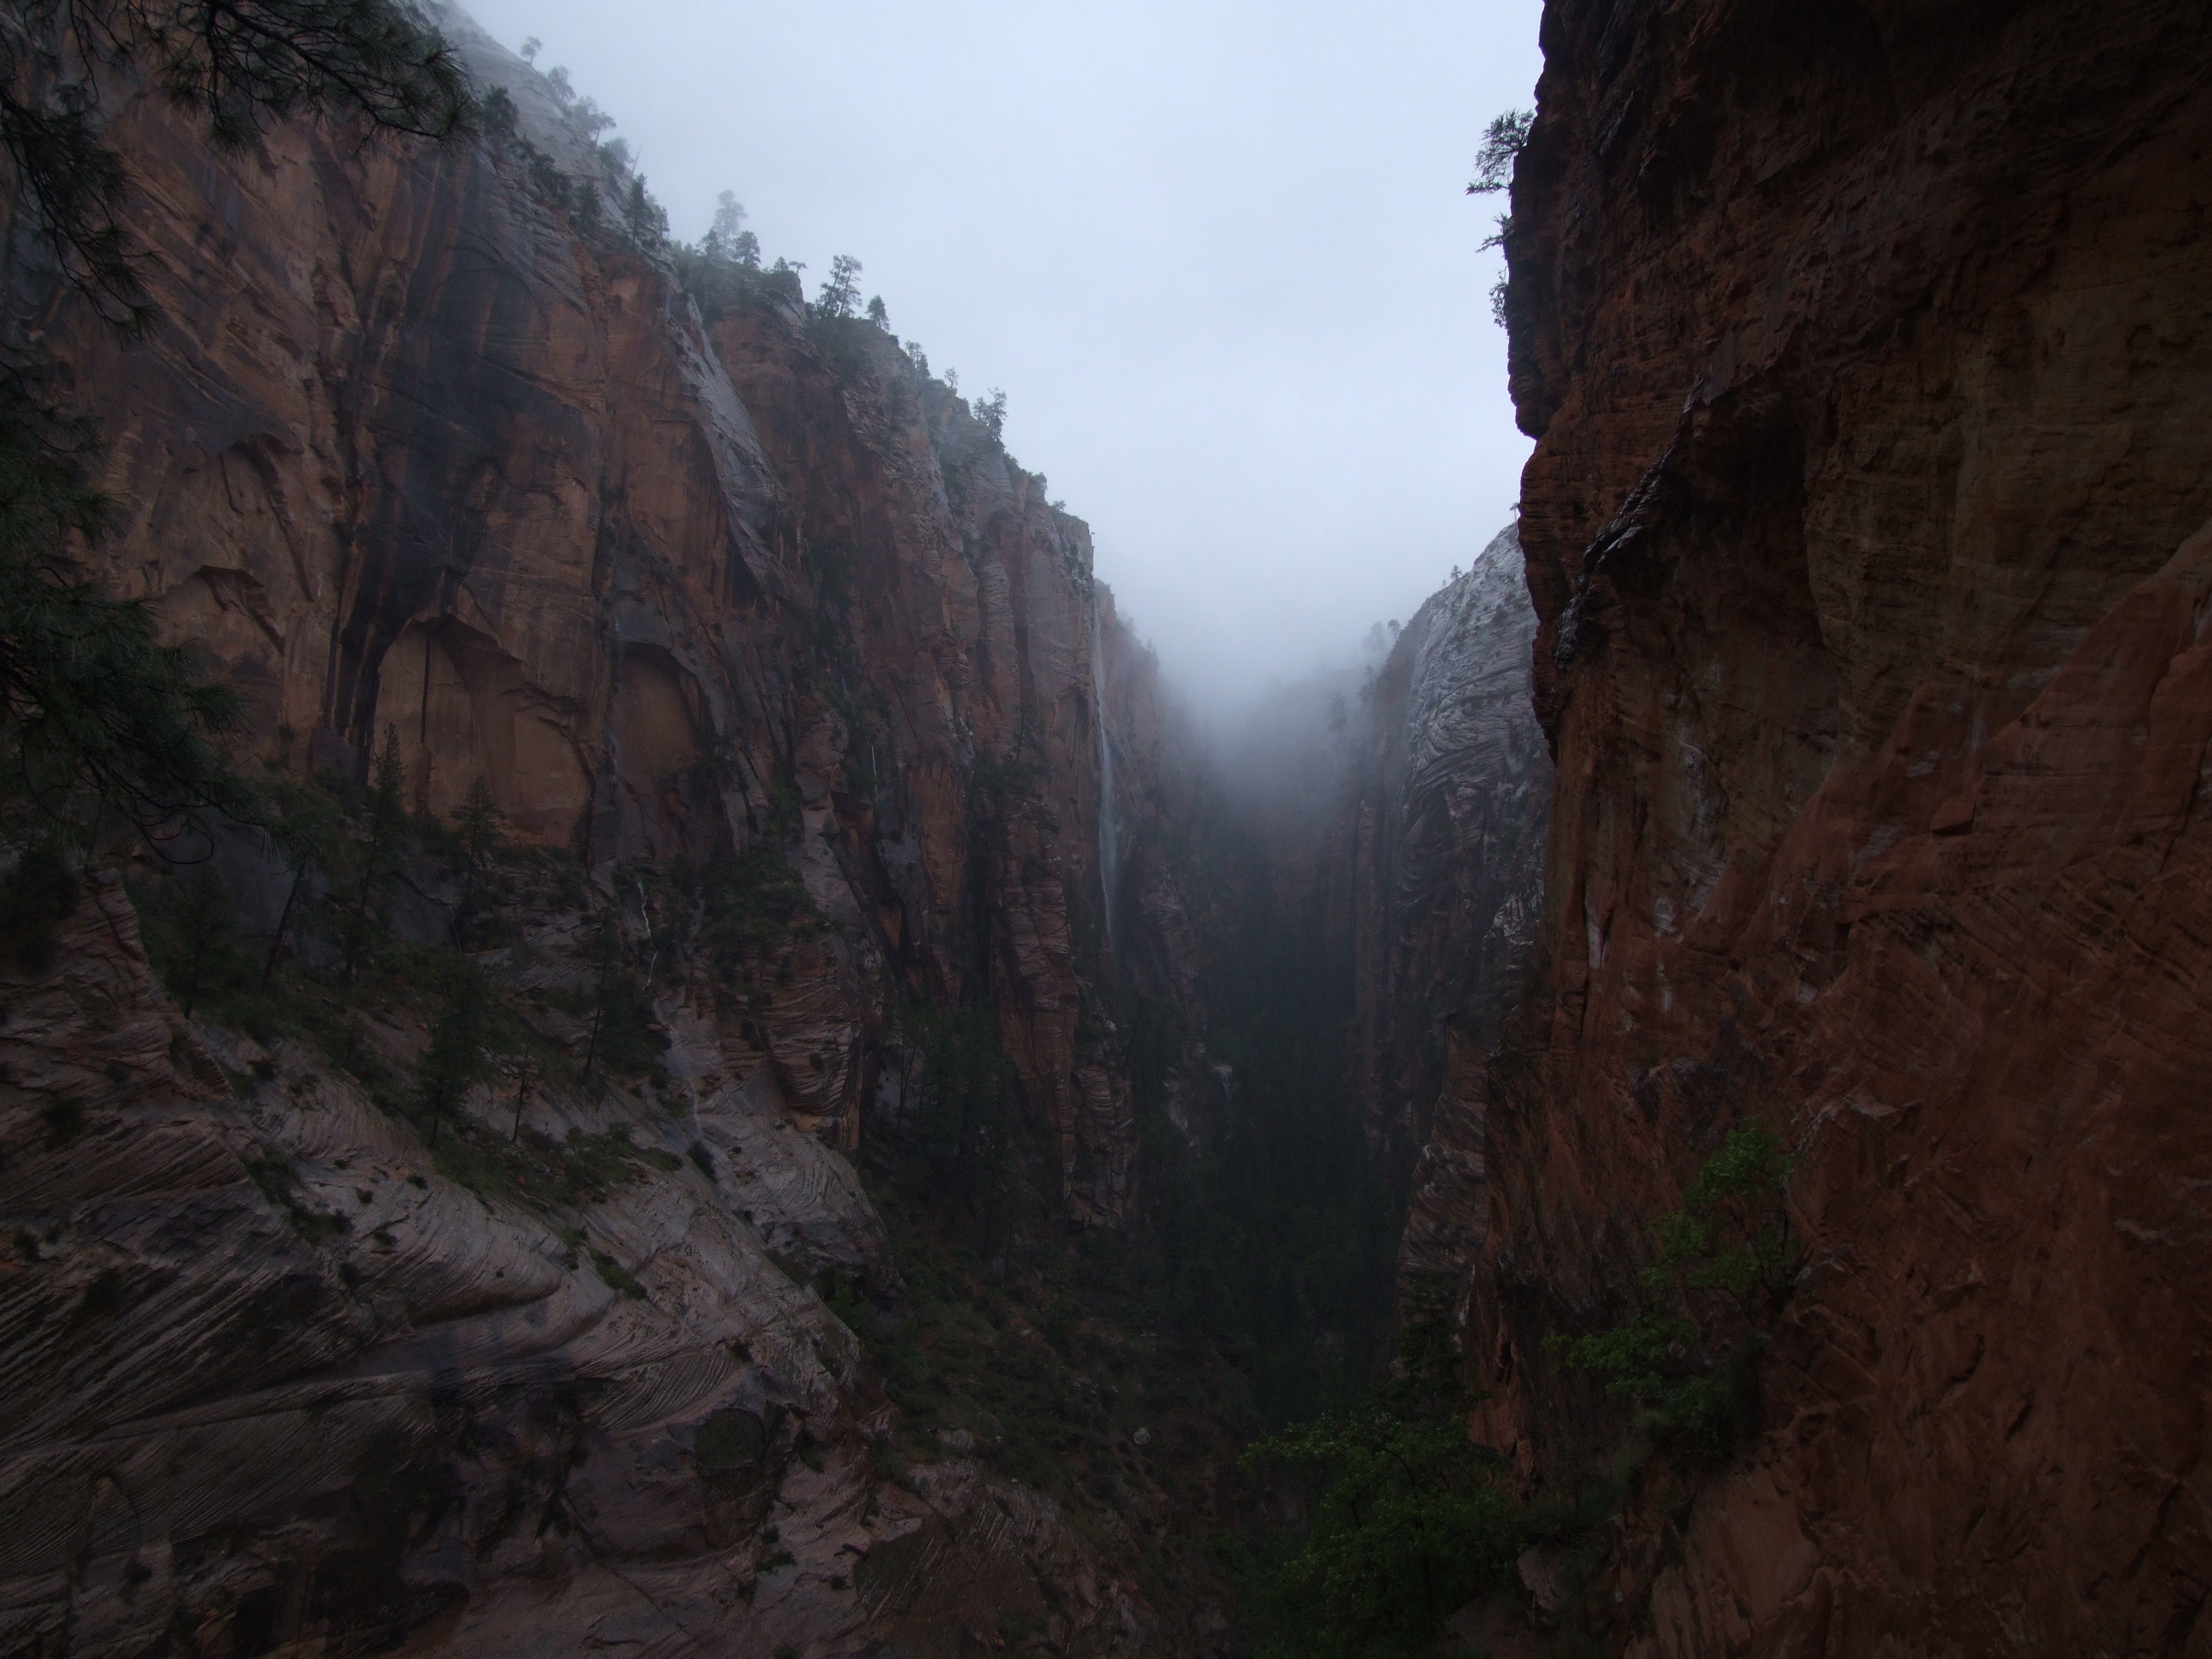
1411	1518
616	1276
731	1441
581	1169
1725	1268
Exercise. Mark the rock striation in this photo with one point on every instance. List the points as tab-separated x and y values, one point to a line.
1866	348
277	1382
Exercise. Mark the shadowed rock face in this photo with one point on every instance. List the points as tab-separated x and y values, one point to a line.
419	454
1868	349
1446	841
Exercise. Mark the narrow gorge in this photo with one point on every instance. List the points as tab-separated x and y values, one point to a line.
742	1074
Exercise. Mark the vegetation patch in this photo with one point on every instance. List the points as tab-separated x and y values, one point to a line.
1407	1518
572	1172
63	1121
753	903
616	1276
1725	1268
730	1442
38	894
279	1183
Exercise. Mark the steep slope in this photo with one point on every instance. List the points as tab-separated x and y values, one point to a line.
278	1377
785	678
1867	347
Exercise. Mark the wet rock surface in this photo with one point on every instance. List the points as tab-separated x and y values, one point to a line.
448	459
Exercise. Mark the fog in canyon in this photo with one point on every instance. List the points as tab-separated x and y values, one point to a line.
1218	256
1090	969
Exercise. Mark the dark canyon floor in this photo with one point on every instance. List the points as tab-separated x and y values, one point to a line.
750	1085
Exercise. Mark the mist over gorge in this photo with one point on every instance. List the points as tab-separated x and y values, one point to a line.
741	1073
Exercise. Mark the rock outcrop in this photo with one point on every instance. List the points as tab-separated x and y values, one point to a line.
1445	839
275	1382
1868	349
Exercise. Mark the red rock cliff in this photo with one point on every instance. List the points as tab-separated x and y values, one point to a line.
428	446
425	447
1868	347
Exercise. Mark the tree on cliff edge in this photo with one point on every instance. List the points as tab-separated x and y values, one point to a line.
841	293
1503	141
91	704
238	65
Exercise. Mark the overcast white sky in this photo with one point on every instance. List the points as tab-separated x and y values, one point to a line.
1216	252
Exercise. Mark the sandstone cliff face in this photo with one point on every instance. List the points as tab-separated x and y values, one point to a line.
426	449
1867	347
1446	840
416	452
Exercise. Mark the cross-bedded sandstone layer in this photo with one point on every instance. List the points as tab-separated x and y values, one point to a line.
277	1382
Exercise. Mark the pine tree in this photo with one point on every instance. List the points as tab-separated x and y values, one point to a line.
991	412
206	957
1503	141
380	854
479	834
305	826
624	1040
841	292
455	1058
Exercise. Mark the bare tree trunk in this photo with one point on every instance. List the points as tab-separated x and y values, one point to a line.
284	920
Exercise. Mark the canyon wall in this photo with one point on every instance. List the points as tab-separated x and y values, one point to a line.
424	449
431	449
1444	838
1867	347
